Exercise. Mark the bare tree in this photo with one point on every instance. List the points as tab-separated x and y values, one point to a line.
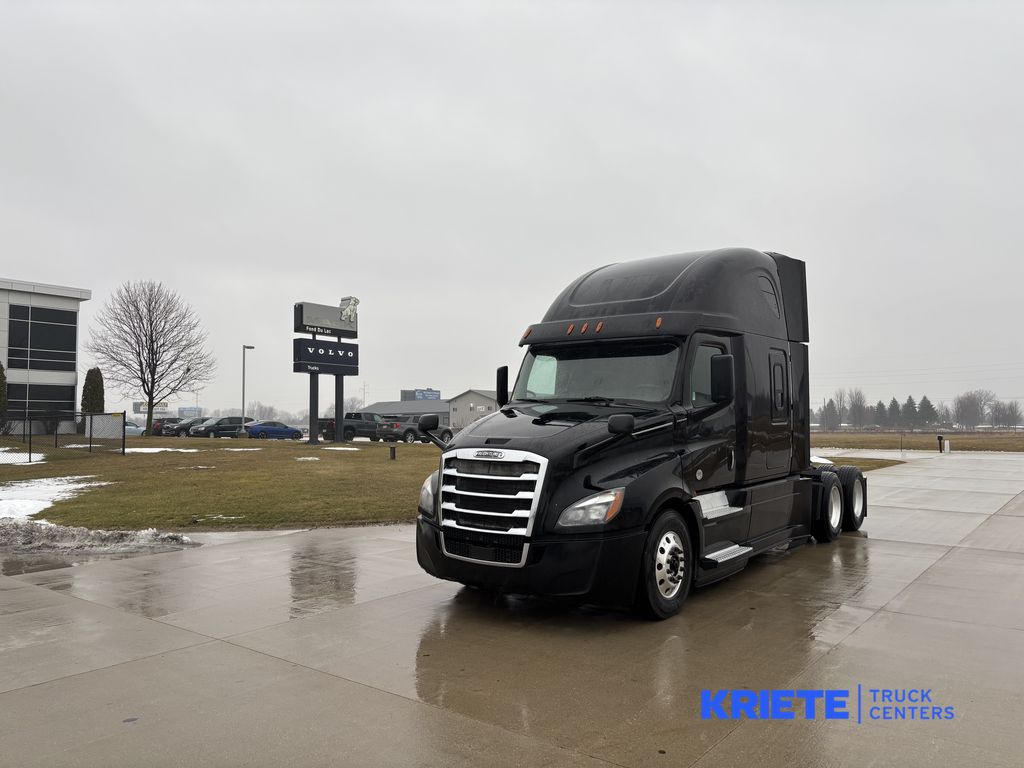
148	340
841	404
1013	414
944	414
260	412
858	407
970	407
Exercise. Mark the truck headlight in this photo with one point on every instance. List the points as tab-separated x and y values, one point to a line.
596	509
427	490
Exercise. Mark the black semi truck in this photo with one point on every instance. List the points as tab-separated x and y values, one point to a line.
657	437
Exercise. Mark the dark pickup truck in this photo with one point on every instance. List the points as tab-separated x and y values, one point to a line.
395	428
356	424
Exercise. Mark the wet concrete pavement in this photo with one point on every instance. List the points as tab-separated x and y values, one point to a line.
331	647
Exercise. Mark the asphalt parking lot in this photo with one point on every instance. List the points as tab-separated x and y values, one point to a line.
331	647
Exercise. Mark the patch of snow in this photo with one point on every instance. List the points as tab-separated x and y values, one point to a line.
199	466
23	458
24	498
241	449
33	536
217	517
343	449
77	445
307	458
158	450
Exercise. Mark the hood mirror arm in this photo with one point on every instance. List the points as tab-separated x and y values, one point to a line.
427	423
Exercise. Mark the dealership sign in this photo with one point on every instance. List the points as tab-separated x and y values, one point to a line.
863	704
139	406
324	320
319	356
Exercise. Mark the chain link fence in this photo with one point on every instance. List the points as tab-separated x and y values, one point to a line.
35	437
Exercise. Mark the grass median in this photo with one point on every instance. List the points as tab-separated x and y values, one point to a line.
920	441
282	485
212	485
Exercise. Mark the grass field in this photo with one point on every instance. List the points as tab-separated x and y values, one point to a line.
920	441
218	488
276	486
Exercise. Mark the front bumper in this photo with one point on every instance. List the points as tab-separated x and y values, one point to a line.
602	568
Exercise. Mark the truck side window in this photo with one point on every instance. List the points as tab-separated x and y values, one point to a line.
700	374
780	388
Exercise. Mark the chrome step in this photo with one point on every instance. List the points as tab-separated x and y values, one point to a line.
725	554
715	505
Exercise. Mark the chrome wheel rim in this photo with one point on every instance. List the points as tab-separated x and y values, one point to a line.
858	499
669	565
835	507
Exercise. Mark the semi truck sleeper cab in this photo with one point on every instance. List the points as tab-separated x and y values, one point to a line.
657	437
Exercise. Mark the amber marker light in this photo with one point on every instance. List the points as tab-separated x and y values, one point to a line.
572	327
657	323
600	325
583	329
528	332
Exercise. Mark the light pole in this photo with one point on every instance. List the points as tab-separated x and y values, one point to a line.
241	429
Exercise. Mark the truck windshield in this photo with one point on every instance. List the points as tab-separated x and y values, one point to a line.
630	371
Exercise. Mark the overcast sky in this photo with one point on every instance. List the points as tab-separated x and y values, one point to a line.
456	164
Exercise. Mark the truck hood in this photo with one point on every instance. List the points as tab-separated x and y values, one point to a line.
557	433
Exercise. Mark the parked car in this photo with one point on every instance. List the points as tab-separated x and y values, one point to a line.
357	424
162	425
182	427
131	429
226	426
261	430
394	428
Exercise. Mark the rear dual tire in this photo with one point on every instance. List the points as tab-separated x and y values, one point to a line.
828	523
855	497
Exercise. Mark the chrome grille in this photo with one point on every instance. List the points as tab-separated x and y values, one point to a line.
493	498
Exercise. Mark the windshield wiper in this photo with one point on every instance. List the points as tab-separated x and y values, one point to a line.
598	400
527	400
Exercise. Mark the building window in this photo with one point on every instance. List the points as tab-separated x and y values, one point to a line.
37	398
42	339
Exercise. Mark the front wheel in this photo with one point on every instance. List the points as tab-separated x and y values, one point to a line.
262	436
348	434
409	437
666	570
210	434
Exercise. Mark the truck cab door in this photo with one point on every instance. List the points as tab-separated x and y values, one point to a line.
709	430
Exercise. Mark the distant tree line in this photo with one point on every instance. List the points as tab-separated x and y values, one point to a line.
968	411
